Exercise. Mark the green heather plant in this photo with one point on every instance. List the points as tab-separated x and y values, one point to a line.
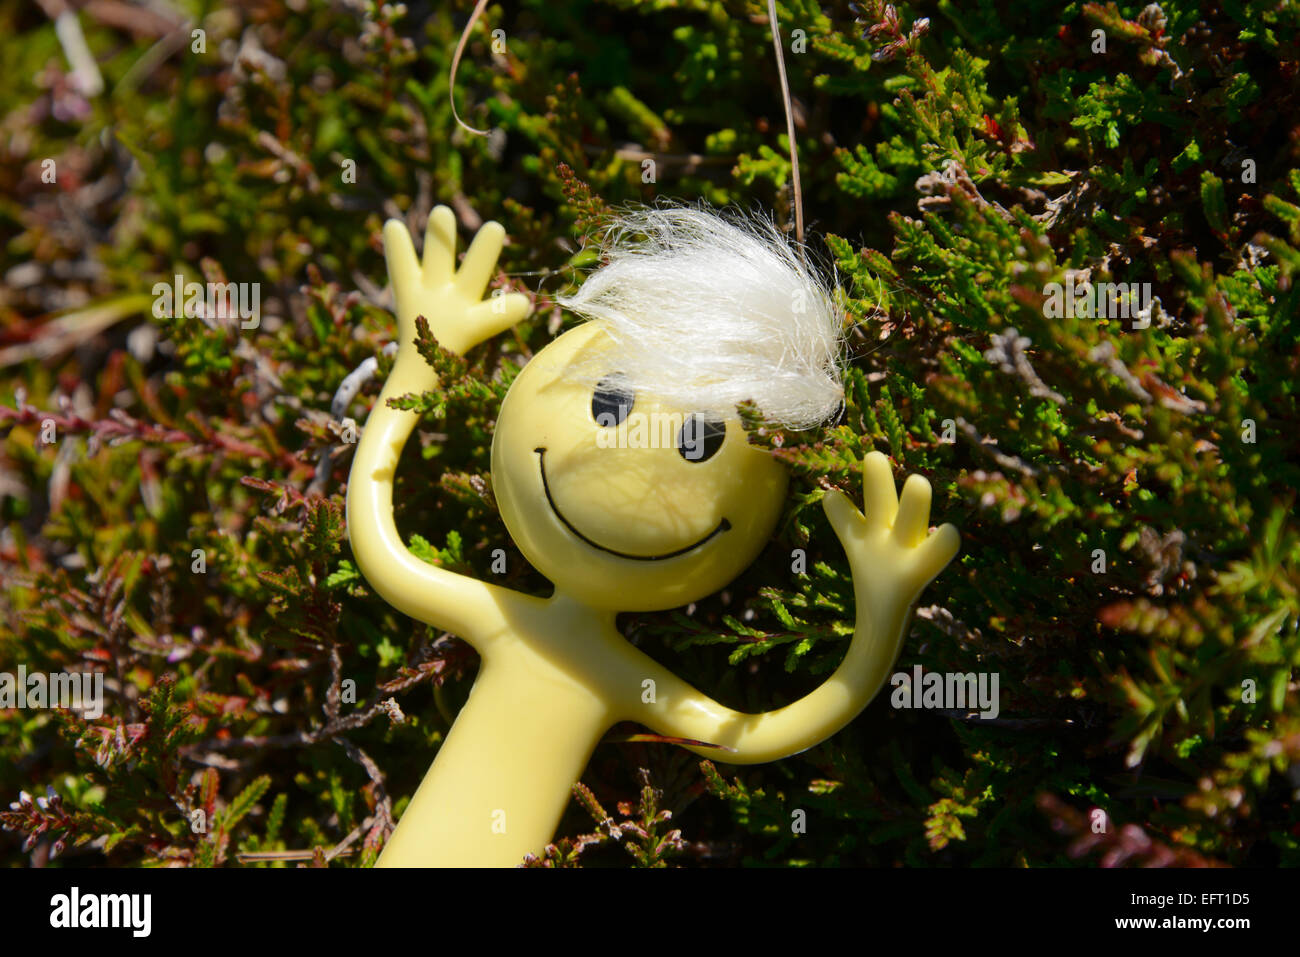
171	489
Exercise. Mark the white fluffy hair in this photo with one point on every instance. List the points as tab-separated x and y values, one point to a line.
706	312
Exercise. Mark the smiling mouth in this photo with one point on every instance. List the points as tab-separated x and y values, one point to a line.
723	525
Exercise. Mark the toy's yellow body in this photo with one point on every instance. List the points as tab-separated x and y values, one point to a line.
616	528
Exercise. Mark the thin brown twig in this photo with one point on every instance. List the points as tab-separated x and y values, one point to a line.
455	65
789	126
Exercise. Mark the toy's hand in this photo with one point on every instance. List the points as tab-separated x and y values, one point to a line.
450	299
892	558
890	551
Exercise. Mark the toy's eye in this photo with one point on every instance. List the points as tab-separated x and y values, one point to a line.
612	400
700	438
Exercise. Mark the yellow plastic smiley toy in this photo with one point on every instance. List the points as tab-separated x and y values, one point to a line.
615	528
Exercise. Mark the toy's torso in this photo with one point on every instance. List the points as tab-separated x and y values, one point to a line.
555	676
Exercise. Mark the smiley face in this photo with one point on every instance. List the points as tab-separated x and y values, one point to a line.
619	499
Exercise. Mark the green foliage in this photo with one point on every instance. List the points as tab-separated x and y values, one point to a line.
640	830
184	533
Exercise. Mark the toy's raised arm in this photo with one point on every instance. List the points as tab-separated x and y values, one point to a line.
451	301
892	559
